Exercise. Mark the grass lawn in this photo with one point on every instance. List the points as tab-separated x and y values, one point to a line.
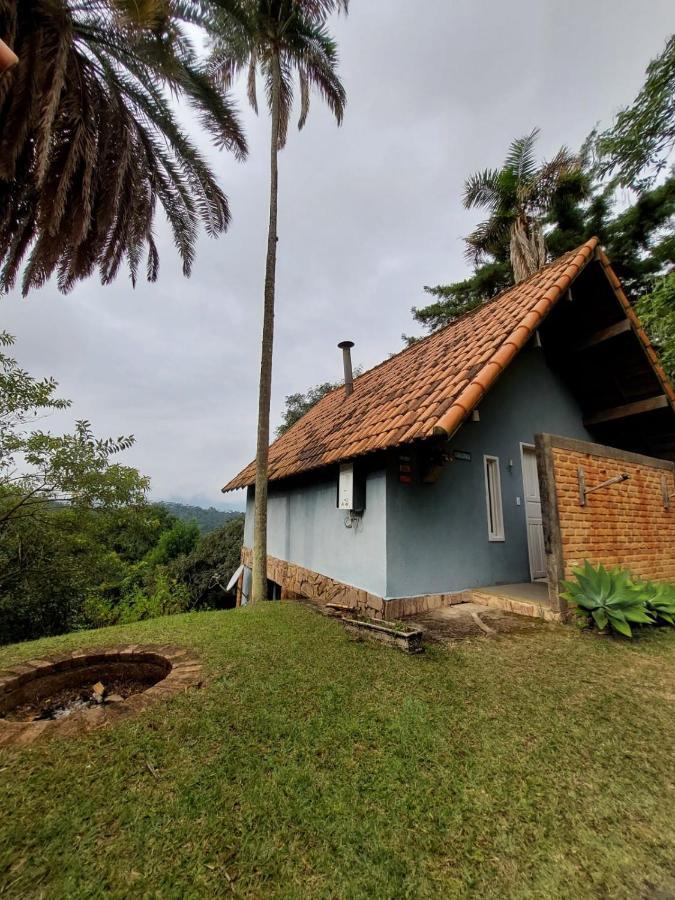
311	765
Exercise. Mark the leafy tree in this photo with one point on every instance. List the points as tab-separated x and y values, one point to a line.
206	571
518	197
643	133
90	144
639	241
132	531
207	519
49	565
179	540
38	469
278	38
55	493
453	300
297	405
657	311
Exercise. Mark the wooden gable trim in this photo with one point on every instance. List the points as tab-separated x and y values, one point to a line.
639	331
627	409
604	334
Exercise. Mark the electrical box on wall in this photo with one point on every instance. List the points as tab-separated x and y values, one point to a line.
351	488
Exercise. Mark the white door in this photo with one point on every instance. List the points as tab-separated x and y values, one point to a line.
535	529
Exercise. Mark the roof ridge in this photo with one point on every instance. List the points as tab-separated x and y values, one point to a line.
406	398
483	380
470	312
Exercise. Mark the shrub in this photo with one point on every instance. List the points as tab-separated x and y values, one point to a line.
660	600
180	540
605	598
206	571
163	597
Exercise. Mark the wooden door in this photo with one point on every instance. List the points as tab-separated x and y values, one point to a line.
535	528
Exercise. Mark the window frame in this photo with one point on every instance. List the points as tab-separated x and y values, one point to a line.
494	503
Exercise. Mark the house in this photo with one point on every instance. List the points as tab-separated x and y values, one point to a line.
483	461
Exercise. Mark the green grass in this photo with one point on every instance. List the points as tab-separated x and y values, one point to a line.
534	765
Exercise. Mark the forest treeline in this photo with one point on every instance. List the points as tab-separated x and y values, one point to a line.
80	544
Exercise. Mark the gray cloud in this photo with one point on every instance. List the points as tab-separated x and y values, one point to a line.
369	213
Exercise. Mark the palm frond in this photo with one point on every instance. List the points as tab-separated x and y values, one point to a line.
319	10
487	238
482	189
550	176
251	36
304	96
521	159
251	83
90	145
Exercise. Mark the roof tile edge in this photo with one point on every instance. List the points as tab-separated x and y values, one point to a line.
474	392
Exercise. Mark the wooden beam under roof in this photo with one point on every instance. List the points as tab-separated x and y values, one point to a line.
628	409
604	334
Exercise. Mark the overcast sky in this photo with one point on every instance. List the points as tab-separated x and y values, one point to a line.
369	213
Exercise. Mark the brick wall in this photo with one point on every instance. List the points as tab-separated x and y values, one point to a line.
626	524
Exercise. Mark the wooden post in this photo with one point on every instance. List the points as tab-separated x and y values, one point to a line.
555	563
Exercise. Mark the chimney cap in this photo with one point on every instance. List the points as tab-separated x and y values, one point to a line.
345	344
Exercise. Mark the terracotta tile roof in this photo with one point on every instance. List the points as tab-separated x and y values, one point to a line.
428	388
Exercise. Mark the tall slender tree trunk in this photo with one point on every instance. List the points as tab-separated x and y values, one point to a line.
259	585
527	249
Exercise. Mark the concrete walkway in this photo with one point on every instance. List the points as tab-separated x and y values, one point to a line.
466	620
528	591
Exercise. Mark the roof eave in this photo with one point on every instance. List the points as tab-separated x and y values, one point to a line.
474	392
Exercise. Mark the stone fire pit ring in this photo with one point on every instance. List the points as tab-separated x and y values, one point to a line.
167	669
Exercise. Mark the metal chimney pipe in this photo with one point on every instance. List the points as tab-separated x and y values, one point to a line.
346	347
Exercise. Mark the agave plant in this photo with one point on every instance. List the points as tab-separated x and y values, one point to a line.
660	600
607	597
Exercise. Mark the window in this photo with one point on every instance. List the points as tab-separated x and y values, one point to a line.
273	590
493	494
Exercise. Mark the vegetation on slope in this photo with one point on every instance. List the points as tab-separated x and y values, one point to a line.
309	764
207	520
80	546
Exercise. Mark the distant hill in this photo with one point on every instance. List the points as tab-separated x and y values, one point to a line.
208	519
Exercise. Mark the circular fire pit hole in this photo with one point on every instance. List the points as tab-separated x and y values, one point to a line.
79	691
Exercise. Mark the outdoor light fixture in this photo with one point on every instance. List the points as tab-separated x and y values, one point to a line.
584	491
8	57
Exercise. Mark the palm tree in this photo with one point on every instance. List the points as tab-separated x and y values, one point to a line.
278	39
89	143
518	196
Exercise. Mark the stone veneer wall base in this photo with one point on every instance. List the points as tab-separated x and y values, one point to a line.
299	583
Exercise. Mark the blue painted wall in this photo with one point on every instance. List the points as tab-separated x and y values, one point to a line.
306	528
437	534
430	538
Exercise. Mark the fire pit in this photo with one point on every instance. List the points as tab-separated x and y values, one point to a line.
87	689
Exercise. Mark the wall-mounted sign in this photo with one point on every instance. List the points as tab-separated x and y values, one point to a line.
461	454
405	469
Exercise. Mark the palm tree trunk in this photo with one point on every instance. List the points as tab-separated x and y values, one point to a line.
527	249
259	580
